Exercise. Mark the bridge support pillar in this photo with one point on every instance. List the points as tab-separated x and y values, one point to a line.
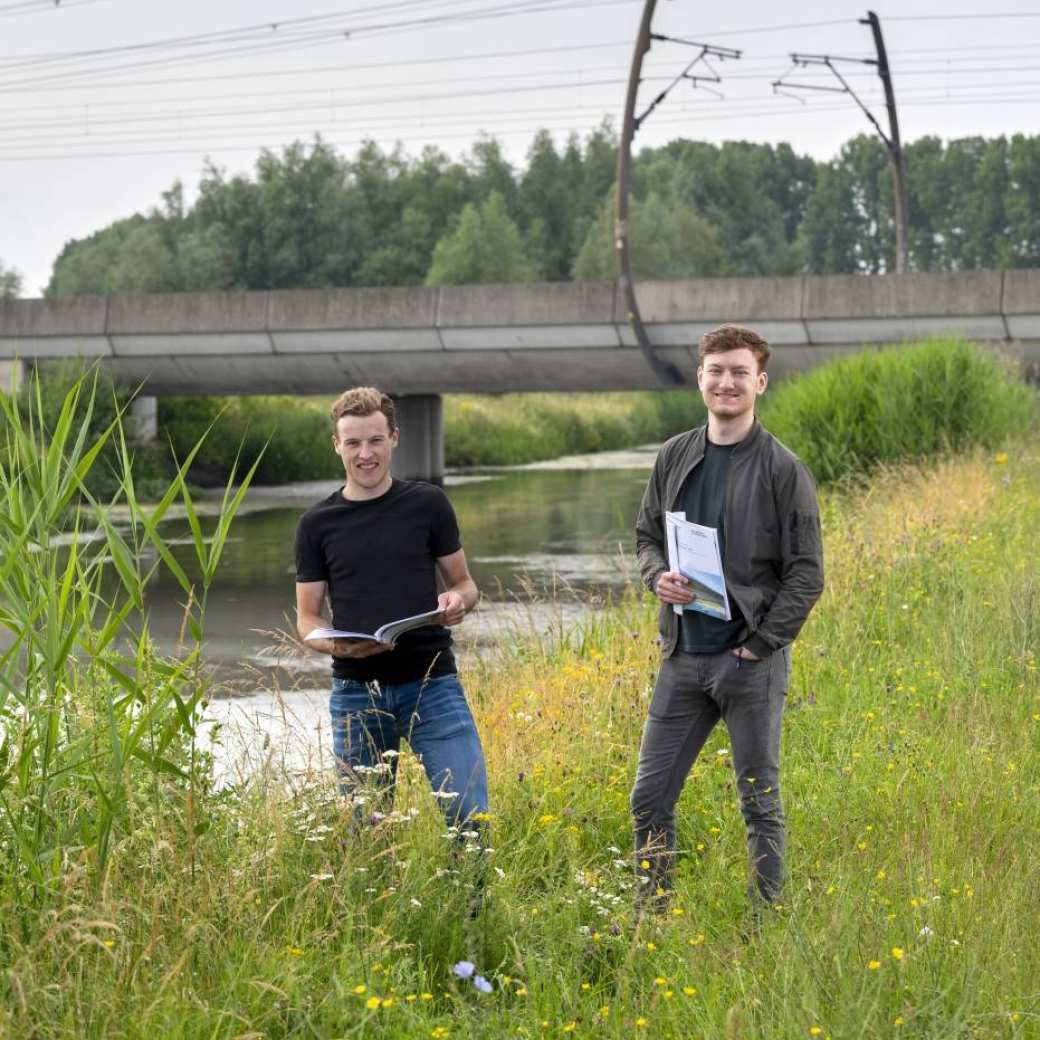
142	421
12	374
420	454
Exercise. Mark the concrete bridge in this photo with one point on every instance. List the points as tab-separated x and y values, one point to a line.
420	342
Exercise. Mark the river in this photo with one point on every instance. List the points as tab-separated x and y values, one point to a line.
545	543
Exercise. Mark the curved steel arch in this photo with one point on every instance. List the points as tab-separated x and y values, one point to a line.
666	372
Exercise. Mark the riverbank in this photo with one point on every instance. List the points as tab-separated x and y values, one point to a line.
912	785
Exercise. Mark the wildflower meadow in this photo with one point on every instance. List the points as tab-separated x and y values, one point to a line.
280	908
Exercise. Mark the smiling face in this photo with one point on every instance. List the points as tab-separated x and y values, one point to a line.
729	382
366	446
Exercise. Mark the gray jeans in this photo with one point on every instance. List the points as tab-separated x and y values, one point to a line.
693	692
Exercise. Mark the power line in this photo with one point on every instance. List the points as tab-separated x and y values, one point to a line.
679	119
339	93
43	7
398	100
353	67
989	17
471	118
340	32
505	11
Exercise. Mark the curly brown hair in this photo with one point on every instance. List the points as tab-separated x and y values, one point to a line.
733	337
363	400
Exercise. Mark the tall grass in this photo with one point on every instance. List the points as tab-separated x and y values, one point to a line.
96	728
941	395
479	430
911	782
518	428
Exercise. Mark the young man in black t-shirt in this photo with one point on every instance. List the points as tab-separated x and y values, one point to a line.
374	550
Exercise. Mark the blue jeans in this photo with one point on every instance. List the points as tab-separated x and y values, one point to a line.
369	719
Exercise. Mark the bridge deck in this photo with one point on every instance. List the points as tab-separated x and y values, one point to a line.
494	338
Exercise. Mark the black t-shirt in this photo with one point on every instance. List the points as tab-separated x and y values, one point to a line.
378	557
704	499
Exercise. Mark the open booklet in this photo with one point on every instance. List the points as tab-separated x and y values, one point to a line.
693	550
388	633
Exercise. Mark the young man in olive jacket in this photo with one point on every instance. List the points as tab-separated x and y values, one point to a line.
736	477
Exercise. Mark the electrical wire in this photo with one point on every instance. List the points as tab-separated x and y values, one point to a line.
44	7
339	33
700	113
338	95
468	135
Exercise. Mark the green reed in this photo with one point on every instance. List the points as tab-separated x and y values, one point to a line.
95	724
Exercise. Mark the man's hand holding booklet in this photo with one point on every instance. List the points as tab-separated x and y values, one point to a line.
387	634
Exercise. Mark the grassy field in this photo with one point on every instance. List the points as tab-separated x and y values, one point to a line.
911	782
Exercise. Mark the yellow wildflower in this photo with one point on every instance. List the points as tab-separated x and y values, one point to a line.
360	989
897	952
372	1003
873	965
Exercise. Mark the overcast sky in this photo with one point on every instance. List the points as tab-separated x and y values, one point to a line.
105	103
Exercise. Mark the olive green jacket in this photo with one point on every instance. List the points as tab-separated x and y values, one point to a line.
773	560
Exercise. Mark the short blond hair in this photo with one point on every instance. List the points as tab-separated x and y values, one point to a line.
364	400
733	337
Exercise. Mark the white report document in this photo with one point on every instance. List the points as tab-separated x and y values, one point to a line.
693	551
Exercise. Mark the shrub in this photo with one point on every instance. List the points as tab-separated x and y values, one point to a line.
941	395
294	431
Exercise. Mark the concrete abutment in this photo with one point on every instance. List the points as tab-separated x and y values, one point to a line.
420	453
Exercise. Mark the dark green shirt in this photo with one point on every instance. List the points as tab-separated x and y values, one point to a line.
704	500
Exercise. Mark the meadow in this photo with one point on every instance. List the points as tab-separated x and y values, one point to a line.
136	901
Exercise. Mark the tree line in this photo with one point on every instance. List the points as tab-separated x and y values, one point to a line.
309	217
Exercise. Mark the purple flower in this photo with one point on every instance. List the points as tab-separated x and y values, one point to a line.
464	970
482	984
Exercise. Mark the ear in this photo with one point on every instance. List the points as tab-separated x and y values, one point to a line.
762	382
395	437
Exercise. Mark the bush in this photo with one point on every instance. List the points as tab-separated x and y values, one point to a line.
938	396
295	431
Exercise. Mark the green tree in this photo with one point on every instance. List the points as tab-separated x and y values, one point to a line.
1023	202
668	240
732	187
848	226
546	208
10	282
485	246
490	171
416	202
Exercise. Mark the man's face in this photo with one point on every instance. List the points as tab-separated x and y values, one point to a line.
366	446
729	382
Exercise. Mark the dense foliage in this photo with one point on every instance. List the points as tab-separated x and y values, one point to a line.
10	282
847	417
310	218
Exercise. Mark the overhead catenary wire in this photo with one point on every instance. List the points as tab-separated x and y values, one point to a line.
341	90
23	10
488	120
340	33
527	131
